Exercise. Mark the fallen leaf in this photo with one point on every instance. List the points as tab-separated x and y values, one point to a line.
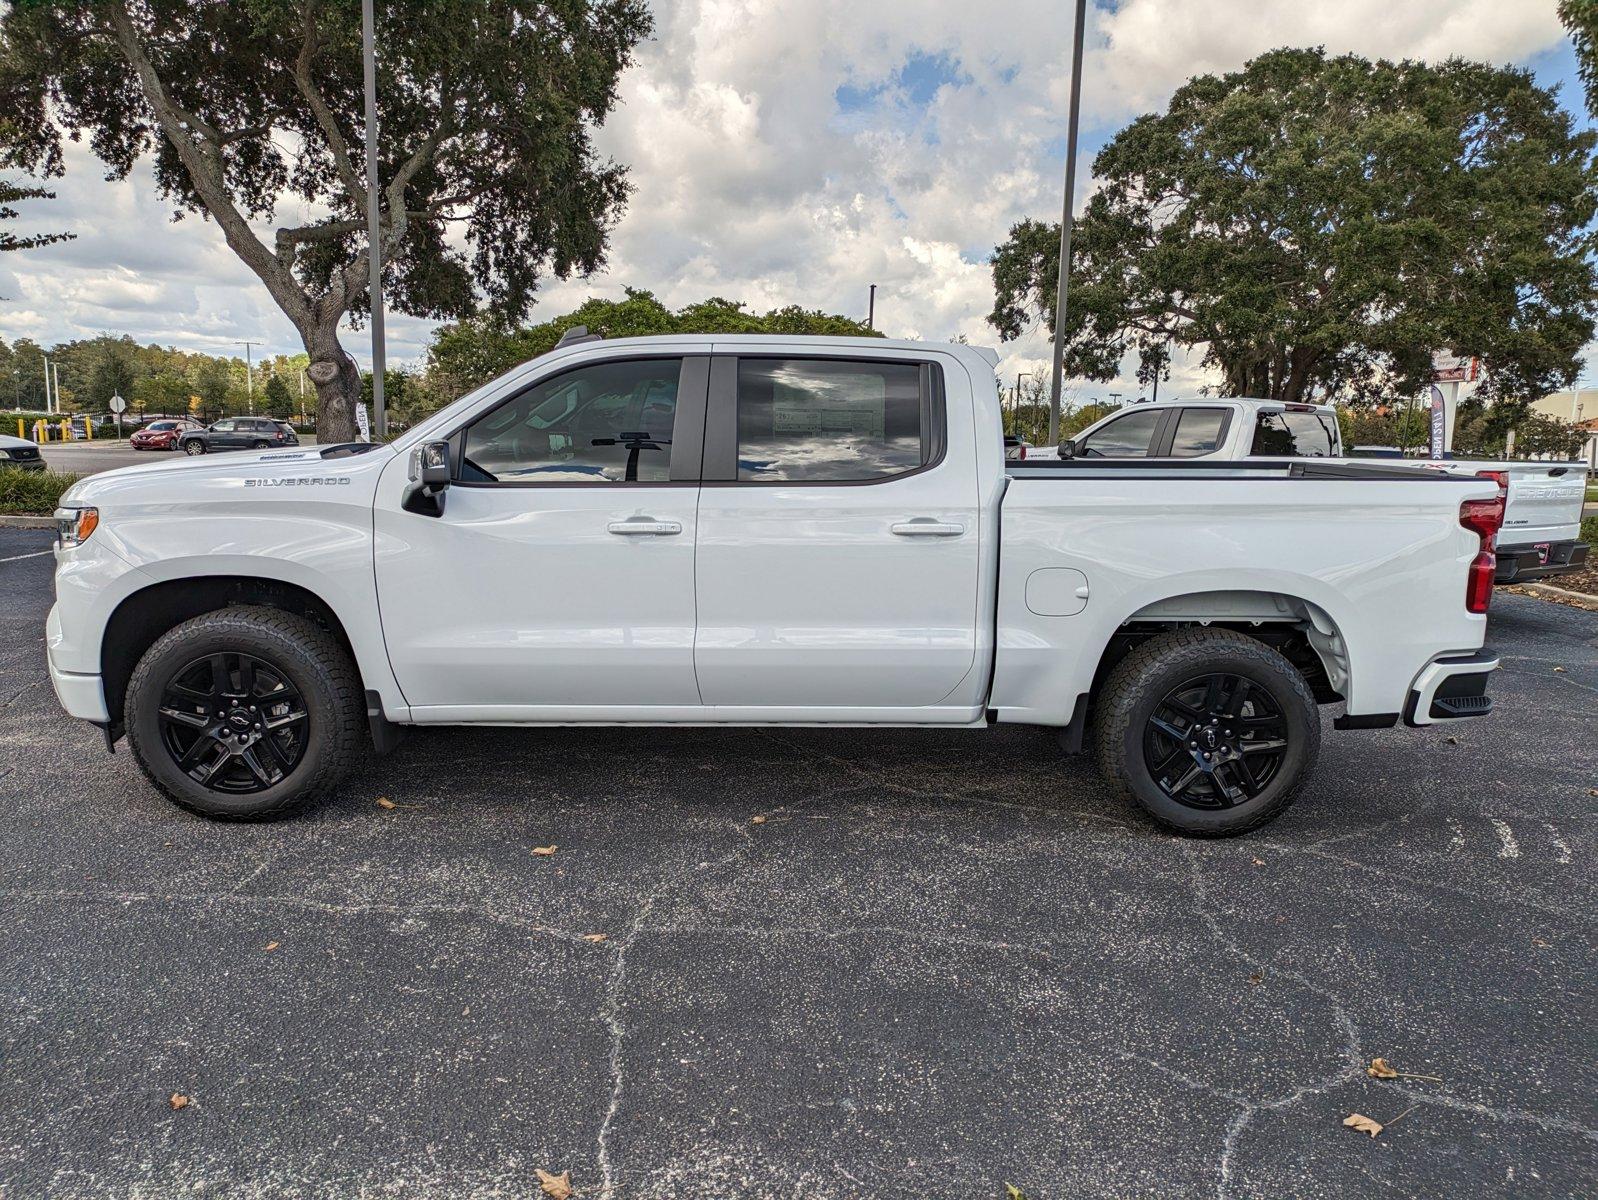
544	851
1011	1192
595	937
760	820
273	945
385	802
1257	977
1259	862
1363	1123
558	1186
1561	670
1541	943
1453	741
179	1100
1380	1068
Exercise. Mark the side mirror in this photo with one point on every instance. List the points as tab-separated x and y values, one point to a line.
429	476
1067	448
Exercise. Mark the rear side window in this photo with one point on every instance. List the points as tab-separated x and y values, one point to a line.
1198	431
1124	437
1294	435
829	421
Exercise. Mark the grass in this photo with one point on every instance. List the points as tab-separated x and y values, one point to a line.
1589	530
32	493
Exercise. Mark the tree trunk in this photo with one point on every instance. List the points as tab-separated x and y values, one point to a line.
338	385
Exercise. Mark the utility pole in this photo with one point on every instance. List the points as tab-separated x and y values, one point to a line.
249	376
373	223
55	375
47	407
1065	223
871	309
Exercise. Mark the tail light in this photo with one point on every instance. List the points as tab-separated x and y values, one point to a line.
1484	518
1022	455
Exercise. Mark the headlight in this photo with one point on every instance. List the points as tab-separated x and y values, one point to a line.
74	525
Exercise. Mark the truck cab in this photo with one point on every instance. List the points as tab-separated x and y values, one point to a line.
1227	429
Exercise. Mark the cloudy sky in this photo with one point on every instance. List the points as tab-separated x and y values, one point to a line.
795	151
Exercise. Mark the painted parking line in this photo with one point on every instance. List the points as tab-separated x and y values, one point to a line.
20	557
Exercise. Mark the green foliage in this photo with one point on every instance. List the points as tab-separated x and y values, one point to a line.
1324	224
10	193
469	353
1541	436
1581	20
487	173
1404	424
32	493
276	399
1589	530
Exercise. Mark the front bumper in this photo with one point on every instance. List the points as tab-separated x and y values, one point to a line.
24	464
83	696
1517	564
1452	689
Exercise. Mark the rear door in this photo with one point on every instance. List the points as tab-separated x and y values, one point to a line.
838	539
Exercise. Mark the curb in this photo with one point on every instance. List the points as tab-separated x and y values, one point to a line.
27	522
1549	592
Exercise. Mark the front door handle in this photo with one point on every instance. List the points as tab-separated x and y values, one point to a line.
925	527
637	525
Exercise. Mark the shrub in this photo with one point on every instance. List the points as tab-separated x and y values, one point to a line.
32	493
1589	530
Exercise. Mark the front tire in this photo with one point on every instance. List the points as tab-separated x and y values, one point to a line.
245	713
194	446
1210	732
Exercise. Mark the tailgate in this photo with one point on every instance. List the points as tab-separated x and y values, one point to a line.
1545	502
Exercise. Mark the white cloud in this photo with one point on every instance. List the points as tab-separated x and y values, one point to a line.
787	151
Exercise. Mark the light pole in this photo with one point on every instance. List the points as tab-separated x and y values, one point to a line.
249	376
47	407
373	224
1065	223
1015	407
871	309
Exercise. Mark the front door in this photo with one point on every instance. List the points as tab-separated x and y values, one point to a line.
560	575
838	541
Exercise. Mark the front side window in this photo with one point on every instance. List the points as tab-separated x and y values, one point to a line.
1198	431
222	427
830	421
1294	435
610	422
1124	437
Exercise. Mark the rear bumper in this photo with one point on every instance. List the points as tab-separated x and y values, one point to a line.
1452	689
1516	564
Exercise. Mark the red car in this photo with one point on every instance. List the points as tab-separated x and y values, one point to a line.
162	435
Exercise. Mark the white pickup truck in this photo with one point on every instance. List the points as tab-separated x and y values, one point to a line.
747	530
1543	500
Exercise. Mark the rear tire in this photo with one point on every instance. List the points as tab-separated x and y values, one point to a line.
245	713
1210	732
260	445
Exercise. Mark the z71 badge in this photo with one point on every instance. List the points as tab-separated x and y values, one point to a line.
300	481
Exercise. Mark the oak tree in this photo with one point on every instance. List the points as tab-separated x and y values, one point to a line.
487	174
1325	224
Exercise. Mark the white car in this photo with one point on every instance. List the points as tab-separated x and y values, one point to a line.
1228	429
762	530
19	453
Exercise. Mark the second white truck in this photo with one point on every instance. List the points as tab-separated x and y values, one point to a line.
739	530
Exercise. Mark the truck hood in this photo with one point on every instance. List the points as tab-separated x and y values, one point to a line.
178	479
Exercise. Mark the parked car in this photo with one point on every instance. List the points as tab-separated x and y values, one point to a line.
765	530
1542	518
1230	430
163	434
20	453
239	433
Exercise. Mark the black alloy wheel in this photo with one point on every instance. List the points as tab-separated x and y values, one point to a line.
1215	741
233	723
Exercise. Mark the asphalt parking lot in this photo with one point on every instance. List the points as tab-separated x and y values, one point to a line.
940	963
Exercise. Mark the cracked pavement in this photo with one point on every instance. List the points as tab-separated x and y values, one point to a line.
944	961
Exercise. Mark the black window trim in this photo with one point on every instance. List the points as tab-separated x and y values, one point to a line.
721	420
687	430
1168	433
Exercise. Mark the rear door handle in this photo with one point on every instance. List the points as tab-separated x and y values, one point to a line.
637	525
924	527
